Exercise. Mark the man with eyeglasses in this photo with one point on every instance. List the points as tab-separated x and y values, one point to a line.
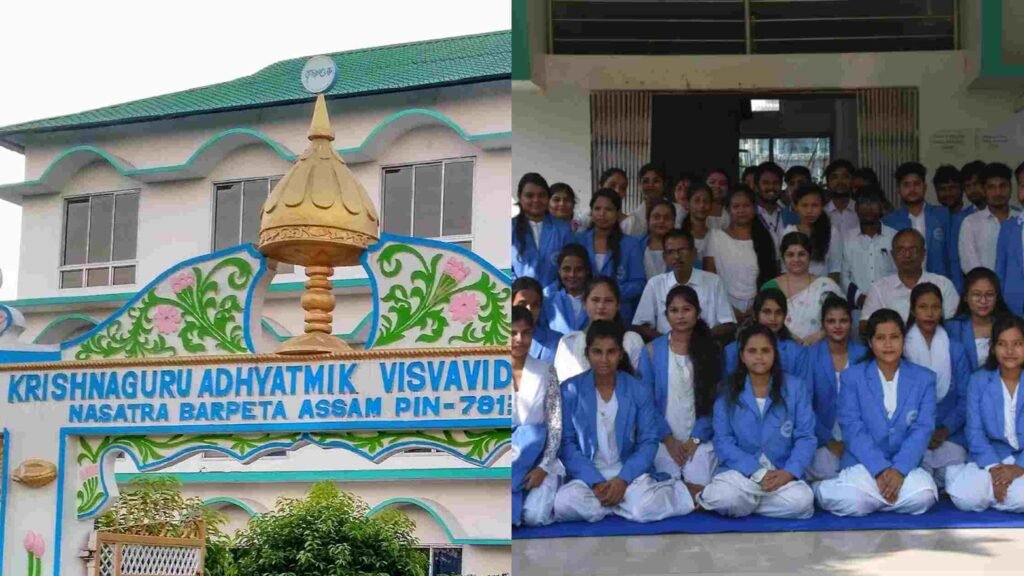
893	292
679	253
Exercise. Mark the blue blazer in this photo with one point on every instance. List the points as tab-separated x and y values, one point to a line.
541	263
630	273
1010	264
785	433
636	428
557	312
956	222
529	442
871	438
961	331
937	241
823	385
986	435
793	355
951	411
654	367
545	343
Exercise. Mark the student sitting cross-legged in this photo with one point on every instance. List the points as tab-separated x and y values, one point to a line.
995	428
764	436
610	435
887	417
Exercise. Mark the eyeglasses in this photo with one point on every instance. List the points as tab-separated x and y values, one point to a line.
982	296
677	251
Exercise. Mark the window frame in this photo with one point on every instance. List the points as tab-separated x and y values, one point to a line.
430	555
241	204
452	239
111	264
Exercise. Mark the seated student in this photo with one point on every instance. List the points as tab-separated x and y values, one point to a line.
995	429
611	252
660	221
893	292
804	290
601	301
980	307
980	231
887	416
826	255
562	203
536	403
927	344
527	292
931	222
764	437
650	320
828	358
563	300
770	310
537	236
684	367
610	432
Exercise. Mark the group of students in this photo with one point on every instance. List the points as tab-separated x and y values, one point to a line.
859	378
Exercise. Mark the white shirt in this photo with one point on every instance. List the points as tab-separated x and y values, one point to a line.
837	431
1010	416
866	259
773	222
607	458
635	223
761	402
600	259
978	236
833	260
571	355
680	407
889	389
736	263
528	402
577	304
890	292
535	227
846	221
981	345
918	223
654	262
714	302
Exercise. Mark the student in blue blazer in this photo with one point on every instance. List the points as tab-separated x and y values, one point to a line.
981	304
770	310
826	361
995	428
613	253
927	344
610	436
684	367
537	236
764	437
887	416
912	187
1010	262
527	292
563	299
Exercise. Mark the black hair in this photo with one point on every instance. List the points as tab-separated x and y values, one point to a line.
1018	171
573	249
779	297
738	380
833	302
524	283
613	286
971	169
996	170
795	239
609	173
769	167
690	177
910	168
704	353
837	164
615	331
749	171
919	292
867	174
908	232
821	230
562	187
1001	325
522	314
651	167
764	245
1000	309
798	170
615	236
879	317
870	193
723	172
662	202
520	226
681	233
947	173
695	188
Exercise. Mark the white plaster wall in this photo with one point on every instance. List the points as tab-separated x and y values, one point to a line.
486	560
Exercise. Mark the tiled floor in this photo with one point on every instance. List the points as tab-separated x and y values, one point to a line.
980	551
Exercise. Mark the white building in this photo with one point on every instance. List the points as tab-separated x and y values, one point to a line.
113	197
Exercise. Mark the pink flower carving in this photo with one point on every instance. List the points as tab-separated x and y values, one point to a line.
456	269
34	544
89	471
463	307
167	319
182	280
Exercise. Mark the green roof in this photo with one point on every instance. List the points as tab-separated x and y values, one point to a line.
402	67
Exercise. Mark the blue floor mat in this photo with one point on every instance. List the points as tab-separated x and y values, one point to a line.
943	515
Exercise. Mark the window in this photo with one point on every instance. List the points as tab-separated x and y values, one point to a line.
787	152
433	200
443	561
236	211
100	234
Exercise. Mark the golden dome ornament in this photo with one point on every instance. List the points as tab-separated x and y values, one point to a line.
318	216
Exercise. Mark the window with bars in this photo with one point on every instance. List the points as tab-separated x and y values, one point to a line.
100	236
442	560
430	200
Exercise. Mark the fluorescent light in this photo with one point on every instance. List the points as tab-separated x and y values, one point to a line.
764	105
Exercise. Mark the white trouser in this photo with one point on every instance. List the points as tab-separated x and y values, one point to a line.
698	470
936	461
539	504
855	493
970	488
646	500
733	494
824	466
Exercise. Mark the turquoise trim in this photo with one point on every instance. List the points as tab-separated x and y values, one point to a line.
521	65
278	149
440	522
60	319
234	502
247	477
992	64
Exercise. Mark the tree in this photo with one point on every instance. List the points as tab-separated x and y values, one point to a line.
328	534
